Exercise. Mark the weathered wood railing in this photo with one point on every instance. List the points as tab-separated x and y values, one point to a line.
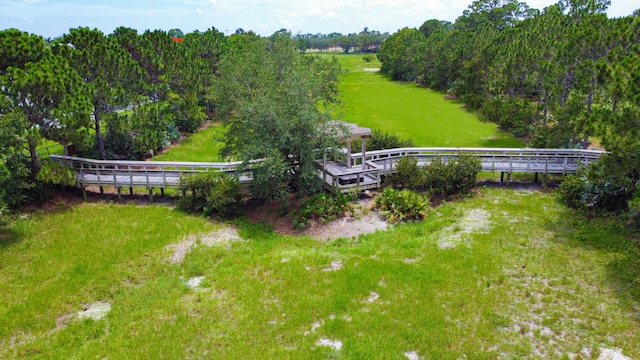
544	161
337	177
147	174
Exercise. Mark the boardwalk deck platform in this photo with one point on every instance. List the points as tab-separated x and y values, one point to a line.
336	176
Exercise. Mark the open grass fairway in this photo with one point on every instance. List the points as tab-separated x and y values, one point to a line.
203	146
506	274
371	100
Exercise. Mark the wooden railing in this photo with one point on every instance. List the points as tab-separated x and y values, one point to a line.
543	161
116	173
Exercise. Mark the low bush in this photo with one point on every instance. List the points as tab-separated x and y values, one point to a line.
456	176
585	192
381	140
210	194
323	207
408	173
402	205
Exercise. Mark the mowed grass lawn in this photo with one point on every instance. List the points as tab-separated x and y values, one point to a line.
203	146
505	274
409	111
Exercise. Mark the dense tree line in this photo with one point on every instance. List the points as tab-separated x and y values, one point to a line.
126	95
366	41
558	77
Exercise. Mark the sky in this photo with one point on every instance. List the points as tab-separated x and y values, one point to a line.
52	18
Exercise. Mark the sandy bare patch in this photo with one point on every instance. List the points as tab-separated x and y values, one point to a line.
195	282
412	355
348	227
181	249
95	311
334	344
372	298
612	354
371	69
335	266
475	221
220	237
224	237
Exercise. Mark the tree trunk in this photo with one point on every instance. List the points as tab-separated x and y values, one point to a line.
99	138
34	156
546	108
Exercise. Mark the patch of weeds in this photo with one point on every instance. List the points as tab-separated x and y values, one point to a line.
323	208
402	205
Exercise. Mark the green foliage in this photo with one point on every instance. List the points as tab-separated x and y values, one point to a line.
596	189
381	140
368	58
275	104
138	134
210	193
402	205
408	174
56	174
322	207
456	176
512	115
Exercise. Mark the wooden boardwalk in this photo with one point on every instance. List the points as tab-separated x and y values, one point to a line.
336	176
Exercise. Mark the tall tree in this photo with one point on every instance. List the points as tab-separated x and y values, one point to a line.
110	71
272	111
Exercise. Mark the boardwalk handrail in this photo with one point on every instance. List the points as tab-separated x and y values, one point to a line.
151	174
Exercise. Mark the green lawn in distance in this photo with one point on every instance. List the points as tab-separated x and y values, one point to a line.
370	99
203	146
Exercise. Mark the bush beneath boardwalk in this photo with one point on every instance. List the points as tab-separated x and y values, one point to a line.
210	194
456	176
402	205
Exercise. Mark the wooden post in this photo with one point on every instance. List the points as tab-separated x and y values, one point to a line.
364	151
349	153
150	194
130	190
119	189
501	176
535	180
84	193
162	191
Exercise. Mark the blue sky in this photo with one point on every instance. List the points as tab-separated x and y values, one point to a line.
51	18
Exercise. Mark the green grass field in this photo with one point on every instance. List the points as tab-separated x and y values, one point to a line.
371	100
203	146
505	274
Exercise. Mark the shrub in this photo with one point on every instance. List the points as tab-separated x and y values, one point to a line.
571	190
456	176
210	193
402	205
408	173
381	140
588	192
54	173
323	207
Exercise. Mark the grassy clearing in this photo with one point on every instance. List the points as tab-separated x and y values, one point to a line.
371	100
203	146
508	273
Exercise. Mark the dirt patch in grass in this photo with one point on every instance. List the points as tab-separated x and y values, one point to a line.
474	221
221	237
364	221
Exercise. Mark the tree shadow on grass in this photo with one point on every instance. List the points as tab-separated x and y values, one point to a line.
613	236
9	236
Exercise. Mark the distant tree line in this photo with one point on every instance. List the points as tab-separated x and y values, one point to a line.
366	41
560	77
